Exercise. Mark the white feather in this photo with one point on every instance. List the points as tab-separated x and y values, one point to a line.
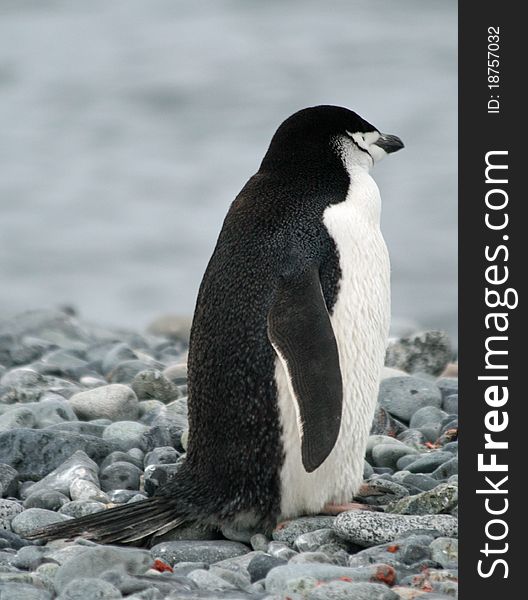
360	320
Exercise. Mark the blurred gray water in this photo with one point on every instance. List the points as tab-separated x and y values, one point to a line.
127	127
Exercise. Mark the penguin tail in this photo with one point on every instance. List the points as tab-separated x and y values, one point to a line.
120	525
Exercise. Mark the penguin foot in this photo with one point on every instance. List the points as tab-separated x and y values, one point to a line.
335	509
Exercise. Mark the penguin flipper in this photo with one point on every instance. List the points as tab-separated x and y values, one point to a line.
301	333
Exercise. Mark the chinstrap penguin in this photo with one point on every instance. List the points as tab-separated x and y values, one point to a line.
287	341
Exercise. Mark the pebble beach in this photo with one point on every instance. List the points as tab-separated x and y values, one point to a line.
93	417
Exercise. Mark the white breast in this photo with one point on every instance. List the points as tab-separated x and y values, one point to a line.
360	320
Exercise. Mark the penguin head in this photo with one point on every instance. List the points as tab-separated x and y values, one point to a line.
320	134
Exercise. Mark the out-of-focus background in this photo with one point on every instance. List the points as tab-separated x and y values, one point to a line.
128	127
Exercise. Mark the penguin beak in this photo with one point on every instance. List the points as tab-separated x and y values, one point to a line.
389	143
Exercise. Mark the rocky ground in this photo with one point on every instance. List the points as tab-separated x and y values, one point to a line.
92	417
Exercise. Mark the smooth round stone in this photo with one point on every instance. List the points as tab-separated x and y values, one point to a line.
197	550
157	476
18	417
450	404
313	540
125	434
85	427
120	476
447	469
425	415
384	424
387	455
81	508
403	396
148	409
427	352
262	564
444	551
47	499
447	385
81	489
121	496
151	383
280	578
86	588
368	471
93	561
161	456
451	447
115	402
427	463
9	509
177	327
259	542
281	550
289	531
440	499
127	370
210	582
23	591
8	480
34	518
421	481
29	557
22	377
413	438
120	456
177	373
118	353
372	528
311	557
51	411
78	466
346	590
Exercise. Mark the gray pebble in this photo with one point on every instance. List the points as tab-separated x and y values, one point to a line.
346	590
88	428
19	416
372	528
161	456
51	412
209	581
120	456
157	476
444	550
95	560
22	591
36	452
22	377
78	466
120	476
441	499
9	509
311	557
48	499
80	508
425	415
125	371
151	383
291	530
281	550
34	518
278	578
29	557
403	396
413	438
116	354
261	565
420	481
115	402
8	480
121	496
125	434
313	540
427	352
206	551
86	588
177	373
368	471
428	462
81	489
446	469
387	455
450	404
259	542
448	386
